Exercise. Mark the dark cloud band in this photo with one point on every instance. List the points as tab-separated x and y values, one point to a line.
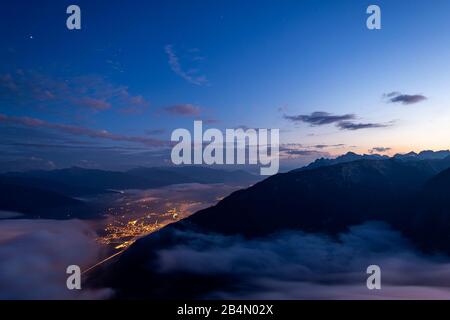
397	97
320	118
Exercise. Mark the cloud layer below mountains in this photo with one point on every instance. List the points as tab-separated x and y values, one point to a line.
34	255
305	266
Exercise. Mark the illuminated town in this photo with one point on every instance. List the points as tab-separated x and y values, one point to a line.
134	214
121	234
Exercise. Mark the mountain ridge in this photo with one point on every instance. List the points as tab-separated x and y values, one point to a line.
327	201
61	186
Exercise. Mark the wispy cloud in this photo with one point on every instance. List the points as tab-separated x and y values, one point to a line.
115	65
297	150
186	110
398	97
80	131
347	125
211	121
155	132
323	146
379	150
91	92
94	104
305	152
320	118
192	75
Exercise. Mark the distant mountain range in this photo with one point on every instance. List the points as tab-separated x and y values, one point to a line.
351	156
42	193
424	155
410	193
41	203
348	157
331	198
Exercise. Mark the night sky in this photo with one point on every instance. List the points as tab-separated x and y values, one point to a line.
109	95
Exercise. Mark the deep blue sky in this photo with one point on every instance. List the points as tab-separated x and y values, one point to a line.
140	69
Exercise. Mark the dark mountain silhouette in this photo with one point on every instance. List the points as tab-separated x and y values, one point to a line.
426	217
79	181
348	157
38	180
424	155
38	203
326	199
429	155
191	174
411	196
50	193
